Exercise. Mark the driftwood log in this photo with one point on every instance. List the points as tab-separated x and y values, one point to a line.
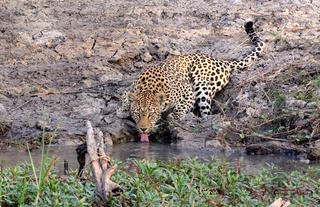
100	164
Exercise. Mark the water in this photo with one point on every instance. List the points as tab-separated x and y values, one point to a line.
249	163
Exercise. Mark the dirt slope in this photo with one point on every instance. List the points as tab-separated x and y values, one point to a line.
63	62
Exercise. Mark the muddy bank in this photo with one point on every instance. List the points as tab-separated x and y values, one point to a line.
64	62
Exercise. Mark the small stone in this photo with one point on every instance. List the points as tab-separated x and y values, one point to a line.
111	75
117	132
296	103
3	112
314	153
175	52
108	120
43	125
138	65
146	57
4	127
87	107
88	82
107	140
88	53
305	161
48	38
117	56
112	106
312	105
301	122
215	144
251	112
122	114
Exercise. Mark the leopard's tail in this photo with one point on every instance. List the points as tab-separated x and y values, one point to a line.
249	59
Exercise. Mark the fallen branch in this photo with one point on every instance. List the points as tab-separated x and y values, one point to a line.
100	164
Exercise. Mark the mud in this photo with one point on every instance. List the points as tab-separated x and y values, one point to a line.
64	62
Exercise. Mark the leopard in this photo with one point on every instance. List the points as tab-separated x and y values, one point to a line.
182	83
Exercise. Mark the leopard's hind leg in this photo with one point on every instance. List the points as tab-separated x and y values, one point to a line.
203	98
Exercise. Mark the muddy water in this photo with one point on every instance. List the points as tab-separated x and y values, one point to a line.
249	163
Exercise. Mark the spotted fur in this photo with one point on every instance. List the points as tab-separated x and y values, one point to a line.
181	83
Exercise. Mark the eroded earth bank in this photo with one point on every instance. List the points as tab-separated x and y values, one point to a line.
64	62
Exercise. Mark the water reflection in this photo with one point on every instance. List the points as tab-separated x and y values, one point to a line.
250	164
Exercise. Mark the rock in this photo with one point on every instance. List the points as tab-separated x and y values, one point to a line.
175	52
88	53
199	140
43	125
24	38
108	119
111	75
68	139
75	48
112	107
4	99
117	56
189	140
48	38
312	105
296	103
314	151
107	140
274	147
214	143
146	57
122	114
4	125
69	49
138	65
3	112
118	132
236	2
304	161
315	128
88	82
251	112
87	107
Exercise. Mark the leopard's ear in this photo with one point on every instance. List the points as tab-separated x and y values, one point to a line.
131	96
162	97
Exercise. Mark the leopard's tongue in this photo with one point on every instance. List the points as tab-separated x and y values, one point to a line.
144	137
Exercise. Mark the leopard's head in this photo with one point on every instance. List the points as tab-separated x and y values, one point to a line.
146	108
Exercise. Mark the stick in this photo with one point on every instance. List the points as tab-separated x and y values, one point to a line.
100	165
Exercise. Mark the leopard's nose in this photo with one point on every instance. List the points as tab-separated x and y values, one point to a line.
143	129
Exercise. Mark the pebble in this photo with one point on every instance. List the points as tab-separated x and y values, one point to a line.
146	57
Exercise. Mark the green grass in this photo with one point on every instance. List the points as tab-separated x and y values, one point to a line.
18	183
177	183
46	165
